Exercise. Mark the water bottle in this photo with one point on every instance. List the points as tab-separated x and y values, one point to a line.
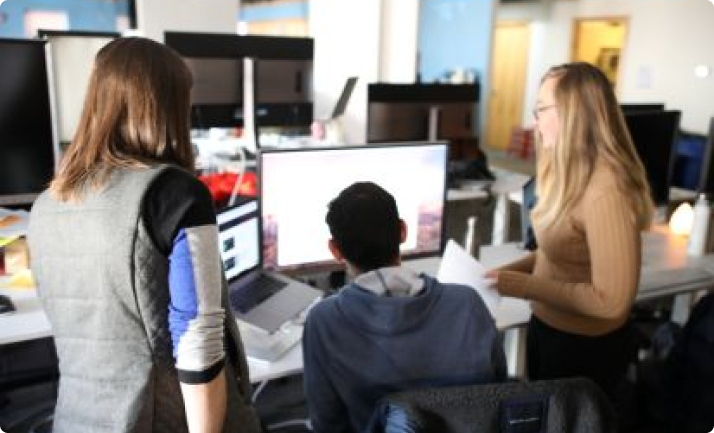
700	227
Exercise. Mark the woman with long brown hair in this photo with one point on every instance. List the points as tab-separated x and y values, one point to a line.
125	252
593	202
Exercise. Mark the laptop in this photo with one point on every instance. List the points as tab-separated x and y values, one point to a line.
261	298
344	98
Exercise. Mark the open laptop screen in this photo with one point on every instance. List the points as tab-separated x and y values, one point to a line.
239	239
297	185
344	99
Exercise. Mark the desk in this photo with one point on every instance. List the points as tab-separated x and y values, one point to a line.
489	204
662	251
29	322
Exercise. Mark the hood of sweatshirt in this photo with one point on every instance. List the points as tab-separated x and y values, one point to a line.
389	301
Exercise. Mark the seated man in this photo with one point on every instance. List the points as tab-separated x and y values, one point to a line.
391	329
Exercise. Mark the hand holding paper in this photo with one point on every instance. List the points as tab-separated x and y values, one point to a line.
459	267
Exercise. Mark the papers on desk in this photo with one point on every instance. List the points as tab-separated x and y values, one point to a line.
263	347
459	267
508	182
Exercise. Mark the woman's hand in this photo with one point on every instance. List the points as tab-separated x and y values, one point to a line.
492	274
492	277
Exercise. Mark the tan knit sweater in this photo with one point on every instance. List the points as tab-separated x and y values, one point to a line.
583	277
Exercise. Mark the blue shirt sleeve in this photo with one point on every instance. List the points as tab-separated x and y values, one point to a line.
179	215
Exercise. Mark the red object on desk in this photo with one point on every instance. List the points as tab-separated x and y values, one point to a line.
221	186
522	143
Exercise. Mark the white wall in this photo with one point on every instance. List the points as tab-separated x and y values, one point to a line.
375	40
666	39
215	16
346	37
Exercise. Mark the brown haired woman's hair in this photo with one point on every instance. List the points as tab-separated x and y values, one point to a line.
592	129
136	114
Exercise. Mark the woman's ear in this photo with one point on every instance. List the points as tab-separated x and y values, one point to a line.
335	250
402	231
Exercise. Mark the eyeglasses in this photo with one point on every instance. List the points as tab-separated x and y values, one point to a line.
539	110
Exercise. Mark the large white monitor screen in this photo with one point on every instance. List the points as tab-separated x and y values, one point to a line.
297	185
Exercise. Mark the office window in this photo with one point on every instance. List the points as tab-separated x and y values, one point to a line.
22	19
289	18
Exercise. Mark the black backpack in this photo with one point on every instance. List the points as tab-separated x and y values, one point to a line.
688	377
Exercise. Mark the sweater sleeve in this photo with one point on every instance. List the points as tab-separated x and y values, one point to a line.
614	246
327	411
179	216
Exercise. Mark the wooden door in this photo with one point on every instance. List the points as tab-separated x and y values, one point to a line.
508	81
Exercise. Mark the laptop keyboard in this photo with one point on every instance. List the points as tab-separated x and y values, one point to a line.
257	292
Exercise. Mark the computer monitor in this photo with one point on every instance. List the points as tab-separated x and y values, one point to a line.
27	150
654	135
641	107
216	63
72	57
296	186
407	112
282	78
706	178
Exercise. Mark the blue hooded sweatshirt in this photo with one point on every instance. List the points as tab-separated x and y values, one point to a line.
359	346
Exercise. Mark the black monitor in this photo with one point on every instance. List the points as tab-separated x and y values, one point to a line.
216	63
641	107
282	78
72	55
706	178
654	135
407	112
27	150
296	186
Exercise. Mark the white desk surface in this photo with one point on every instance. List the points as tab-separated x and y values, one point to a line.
661	251
28	322
507	184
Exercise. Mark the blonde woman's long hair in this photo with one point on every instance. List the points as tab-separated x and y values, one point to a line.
136	114
592	129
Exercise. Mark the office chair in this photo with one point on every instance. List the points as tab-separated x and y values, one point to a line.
566	405
281	405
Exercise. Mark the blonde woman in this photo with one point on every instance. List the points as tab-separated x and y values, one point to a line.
125	252
593	202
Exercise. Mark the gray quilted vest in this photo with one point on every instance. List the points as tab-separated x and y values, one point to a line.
104	287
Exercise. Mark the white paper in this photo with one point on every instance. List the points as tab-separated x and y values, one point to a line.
459	267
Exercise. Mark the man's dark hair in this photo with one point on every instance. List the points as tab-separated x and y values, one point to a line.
364	223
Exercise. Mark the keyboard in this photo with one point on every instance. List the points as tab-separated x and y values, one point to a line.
671	278
256	292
